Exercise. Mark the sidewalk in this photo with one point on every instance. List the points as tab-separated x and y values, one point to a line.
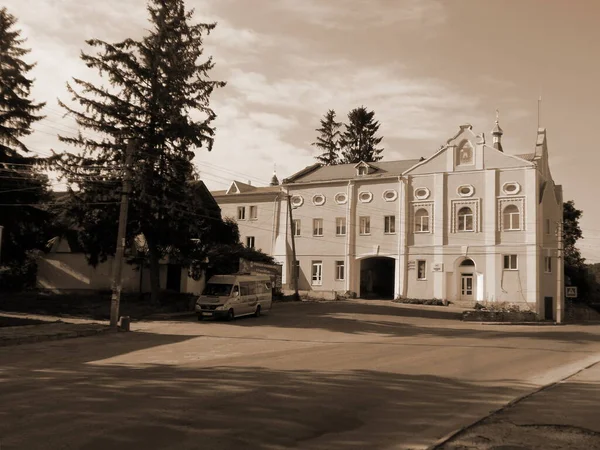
54	328
564	416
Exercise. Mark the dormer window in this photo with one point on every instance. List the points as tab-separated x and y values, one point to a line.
363	168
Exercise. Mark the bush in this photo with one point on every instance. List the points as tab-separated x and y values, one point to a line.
422	301
501	307
17	277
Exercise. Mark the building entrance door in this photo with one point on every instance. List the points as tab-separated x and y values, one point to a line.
466	286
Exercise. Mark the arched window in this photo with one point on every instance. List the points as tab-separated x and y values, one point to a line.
465	219
511	218
421	221
467	262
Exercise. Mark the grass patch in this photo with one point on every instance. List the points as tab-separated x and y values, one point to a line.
92	305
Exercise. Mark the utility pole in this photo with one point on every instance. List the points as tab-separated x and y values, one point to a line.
294	265
560	289
118	261
1	228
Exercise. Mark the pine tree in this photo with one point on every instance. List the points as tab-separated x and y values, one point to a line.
21	182
158	88
359	141
328	140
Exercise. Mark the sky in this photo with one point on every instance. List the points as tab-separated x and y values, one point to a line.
424	66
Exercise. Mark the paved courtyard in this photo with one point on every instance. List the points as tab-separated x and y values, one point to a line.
337	375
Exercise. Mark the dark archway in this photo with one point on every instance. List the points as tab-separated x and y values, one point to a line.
377	276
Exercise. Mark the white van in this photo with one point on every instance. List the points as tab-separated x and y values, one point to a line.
231	296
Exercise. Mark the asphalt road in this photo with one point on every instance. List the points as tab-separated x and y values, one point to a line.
345	375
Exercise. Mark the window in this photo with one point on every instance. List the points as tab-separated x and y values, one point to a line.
318	199
362	170
511	218
253	212
296	225
511	188
466	190
241	213
365	225
250	241
297	200
421	270
390	195
365	196
317	227
422	221
389	225
465	219
317	273
547	225
339	270
340	226
421	193
548	264
341	198
510	262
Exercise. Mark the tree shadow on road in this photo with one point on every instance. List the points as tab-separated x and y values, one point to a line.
348	318
150	406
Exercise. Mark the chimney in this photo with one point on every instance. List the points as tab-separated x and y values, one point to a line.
497	135
250	182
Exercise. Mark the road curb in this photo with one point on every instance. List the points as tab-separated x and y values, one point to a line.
443	440
54	337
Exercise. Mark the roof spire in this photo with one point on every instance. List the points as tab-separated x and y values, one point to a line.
274	179
497	133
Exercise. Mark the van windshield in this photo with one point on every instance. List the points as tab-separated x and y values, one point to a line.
221	290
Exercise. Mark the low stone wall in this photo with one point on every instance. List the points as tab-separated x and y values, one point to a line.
500	316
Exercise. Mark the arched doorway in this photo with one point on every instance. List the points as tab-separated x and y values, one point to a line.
377	277
467	280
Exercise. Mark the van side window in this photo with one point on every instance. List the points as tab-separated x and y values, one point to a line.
244	289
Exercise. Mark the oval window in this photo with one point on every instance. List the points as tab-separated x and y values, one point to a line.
318	199
365	197
297	200
390	195
466	190
421	193
341	198
511	188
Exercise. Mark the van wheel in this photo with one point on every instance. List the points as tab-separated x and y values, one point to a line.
230	315
257	312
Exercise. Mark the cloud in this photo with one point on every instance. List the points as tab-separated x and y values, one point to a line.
349	14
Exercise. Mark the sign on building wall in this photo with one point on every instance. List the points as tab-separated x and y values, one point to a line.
437	267
571	291
274	270
411	265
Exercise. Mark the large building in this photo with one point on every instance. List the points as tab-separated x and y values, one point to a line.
469	223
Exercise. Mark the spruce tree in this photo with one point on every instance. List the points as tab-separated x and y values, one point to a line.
158	94
328	140
21	183
359	141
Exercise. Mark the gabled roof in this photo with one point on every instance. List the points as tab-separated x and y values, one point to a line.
237	187
527	156
348	171
255	190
